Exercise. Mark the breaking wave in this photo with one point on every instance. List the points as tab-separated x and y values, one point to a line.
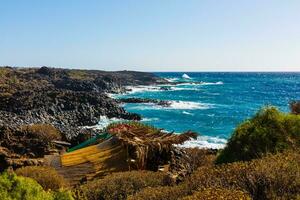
185	76
213	83
187	113
149	119
188	105
205	142
172	79
158	88
142	88
201	83
104	122
174	105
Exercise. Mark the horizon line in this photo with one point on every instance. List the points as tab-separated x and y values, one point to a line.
203	71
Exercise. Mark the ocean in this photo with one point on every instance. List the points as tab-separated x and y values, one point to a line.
214	107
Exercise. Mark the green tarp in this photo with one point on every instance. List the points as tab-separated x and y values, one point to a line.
90	141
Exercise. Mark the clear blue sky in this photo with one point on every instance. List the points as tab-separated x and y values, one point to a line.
152	35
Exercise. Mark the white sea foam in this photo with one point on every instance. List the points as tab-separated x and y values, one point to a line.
149	119
181	88
205	142
171	79
142	88
201	83
174	105
111	95
213	83
104	122
187	113
188	105
185	76
157	88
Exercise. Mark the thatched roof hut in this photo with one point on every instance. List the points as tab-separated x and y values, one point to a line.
131	146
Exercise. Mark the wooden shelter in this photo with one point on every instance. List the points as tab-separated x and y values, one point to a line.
132	146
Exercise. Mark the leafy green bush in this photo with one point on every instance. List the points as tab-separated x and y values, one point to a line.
47	177
269	131
120	185
13	187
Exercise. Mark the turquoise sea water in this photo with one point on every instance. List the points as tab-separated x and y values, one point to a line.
216	106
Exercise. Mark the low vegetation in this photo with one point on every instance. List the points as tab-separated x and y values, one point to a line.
295	107
47	177
218	193
13	187
255	179
78	74
45	132
120	185
269	131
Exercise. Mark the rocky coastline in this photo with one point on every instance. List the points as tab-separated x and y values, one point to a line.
63	98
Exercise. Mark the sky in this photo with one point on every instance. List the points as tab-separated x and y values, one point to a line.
152	35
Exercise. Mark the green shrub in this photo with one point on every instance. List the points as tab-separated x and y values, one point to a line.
269	131
13	187
120	185
63	195
47	177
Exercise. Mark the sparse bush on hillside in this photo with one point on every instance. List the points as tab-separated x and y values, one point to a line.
201	157
47	177
218	193
269	131
4	71
13	187
272	177
45	132
162	193
121	126
120	185
79	74
295	107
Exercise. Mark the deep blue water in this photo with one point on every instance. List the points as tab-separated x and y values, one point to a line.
215	107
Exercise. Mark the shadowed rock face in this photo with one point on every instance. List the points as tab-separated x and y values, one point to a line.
67	99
